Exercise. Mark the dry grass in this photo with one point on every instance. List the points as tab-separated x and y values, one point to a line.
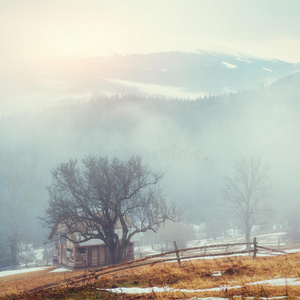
196	274
26	281
235	271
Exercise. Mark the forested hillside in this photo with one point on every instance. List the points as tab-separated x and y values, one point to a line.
192	142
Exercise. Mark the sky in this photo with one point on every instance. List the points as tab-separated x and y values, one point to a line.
33	32
33	29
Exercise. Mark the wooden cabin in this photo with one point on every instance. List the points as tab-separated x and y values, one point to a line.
92	253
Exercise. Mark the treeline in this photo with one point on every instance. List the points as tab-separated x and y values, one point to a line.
192	142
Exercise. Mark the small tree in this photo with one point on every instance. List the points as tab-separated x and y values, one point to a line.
245	192
91	200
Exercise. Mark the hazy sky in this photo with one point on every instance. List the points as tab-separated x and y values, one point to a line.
61	28
36	35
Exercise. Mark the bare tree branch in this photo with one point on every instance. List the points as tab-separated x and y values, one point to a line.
111	200
246	190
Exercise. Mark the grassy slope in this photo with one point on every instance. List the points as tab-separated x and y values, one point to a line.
194	274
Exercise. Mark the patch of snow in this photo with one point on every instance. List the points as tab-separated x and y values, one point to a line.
210	48
267	298
266	69
147	248
60	270
217	273
278	281
128	290
244	60
14	272
292	250
91	242
216	289
136	290
228	65
39	253
209	298
272	234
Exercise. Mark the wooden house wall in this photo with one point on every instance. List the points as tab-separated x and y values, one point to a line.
56	248
92	256
88	256
69	254
63	251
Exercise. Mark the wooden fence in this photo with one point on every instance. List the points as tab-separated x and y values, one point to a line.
217	250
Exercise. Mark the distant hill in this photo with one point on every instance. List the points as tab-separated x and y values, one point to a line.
167	74
177	74
288	83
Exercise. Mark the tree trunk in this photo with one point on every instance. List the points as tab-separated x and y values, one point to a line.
14	250
248	229
118	253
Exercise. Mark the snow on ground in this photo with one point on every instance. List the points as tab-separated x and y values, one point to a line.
217	273
228	65
262	239
39	253
272	282
268	70
136	290
14	272
147	250
209	298
278	281
59	270
292	250
244	60
267	298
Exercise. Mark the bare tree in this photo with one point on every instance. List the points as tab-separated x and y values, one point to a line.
4	250
91	200
293	222
245	192
18	169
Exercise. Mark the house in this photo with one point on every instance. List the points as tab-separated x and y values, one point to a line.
92	253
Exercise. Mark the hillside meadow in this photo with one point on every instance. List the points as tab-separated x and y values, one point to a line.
229	277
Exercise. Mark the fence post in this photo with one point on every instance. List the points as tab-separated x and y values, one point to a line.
177	253
255	248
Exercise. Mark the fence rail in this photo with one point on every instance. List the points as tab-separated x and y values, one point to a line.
176	255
